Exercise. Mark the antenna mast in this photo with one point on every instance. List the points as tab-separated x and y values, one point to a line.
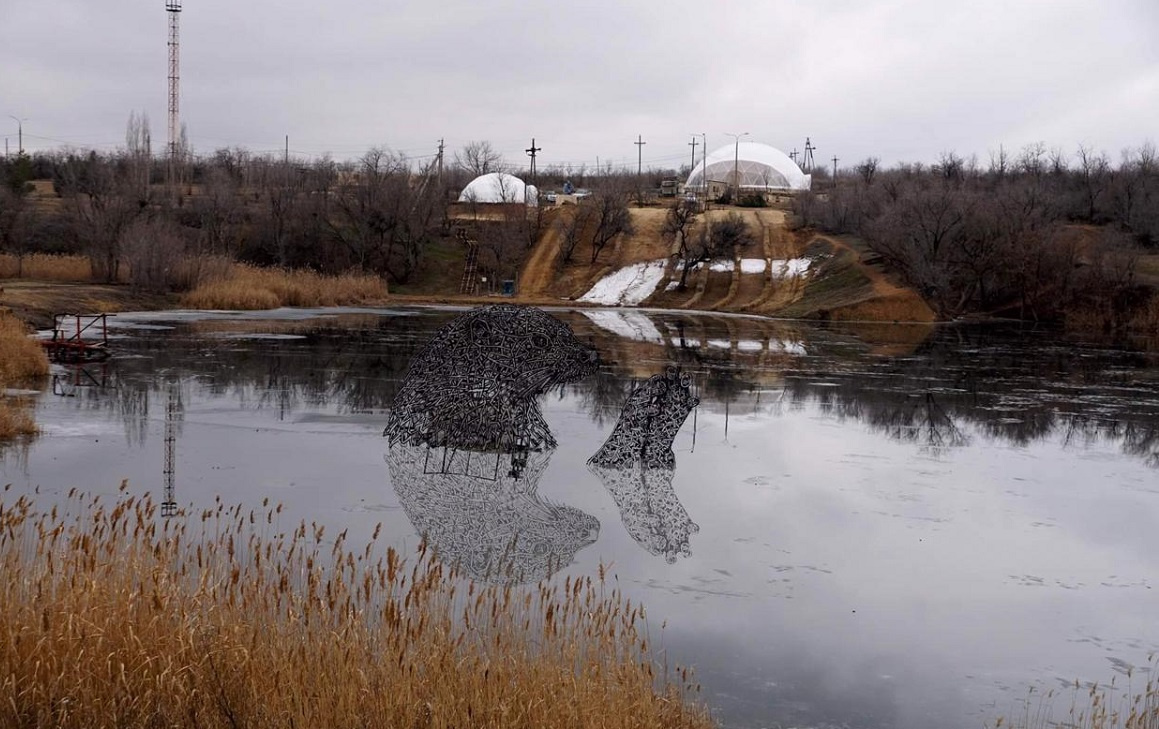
173	7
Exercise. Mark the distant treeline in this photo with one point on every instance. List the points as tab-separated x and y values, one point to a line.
1037	235
379	214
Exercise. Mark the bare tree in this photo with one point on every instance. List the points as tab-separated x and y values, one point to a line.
612	218
479	158
139	152
1094	175
100	207
718	239
572	224
678	226
383	217
867	169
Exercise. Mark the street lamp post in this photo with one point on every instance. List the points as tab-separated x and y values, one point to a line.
736	165
704	175
19	134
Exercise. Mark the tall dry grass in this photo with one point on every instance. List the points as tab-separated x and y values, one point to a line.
1109	706
251	287
46	267
21	359
113	616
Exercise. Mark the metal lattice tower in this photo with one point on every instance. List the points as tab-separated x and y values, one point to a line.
172	409
173	7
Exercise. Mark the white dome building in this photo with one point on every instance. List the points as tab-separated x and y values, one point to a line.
760	168
499	187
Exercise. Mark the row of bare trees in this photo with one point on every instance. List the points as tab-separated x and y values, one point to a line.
377	215
1035	235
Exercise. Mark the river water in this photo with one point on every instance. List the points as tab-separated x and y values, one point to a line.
885	527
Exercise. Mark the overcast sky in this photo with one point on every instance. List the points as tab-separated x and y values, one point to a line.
903	80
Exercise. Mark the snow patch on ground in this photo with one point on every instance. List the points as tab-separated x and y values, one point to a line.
628	286
780	268
786	268
630	324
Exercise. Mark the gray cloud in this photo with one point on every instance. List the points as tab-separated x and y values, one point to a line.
903	80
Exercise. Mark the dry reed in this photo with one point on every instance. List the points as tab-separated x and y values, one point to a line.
21	359
251	287
46	267
113	616
1094	706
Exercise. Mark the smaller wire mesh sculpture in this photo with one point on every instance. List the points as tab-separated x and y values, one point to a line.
637	465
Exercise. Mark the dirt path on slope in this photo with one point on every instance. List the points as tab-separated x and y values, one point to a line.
539	270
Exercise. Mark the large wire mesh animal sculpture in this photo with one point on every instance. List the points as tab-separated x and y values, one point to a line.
468	444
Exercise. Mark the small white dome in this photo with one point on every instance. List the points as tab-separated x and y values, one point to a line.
759	166
499	187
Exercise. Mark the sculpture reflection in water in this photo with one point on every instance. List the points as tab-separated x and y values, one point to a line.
468	445
637	464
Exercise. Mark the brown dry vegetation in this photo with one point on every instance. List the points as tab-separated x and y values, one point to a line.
46	267
21	359
251	287
1107	706
115	617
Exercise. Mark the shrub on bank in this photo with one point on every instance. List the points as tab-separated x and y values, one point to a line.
115	617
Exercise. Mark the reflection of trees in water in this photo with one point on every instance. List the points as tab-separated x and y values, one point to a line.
1017	391
601	395
352	371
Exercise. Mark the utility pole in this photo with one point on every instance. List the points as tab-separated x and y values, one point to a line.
532	151
793	155
286	154
693	144
834	170
639	153
440	164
